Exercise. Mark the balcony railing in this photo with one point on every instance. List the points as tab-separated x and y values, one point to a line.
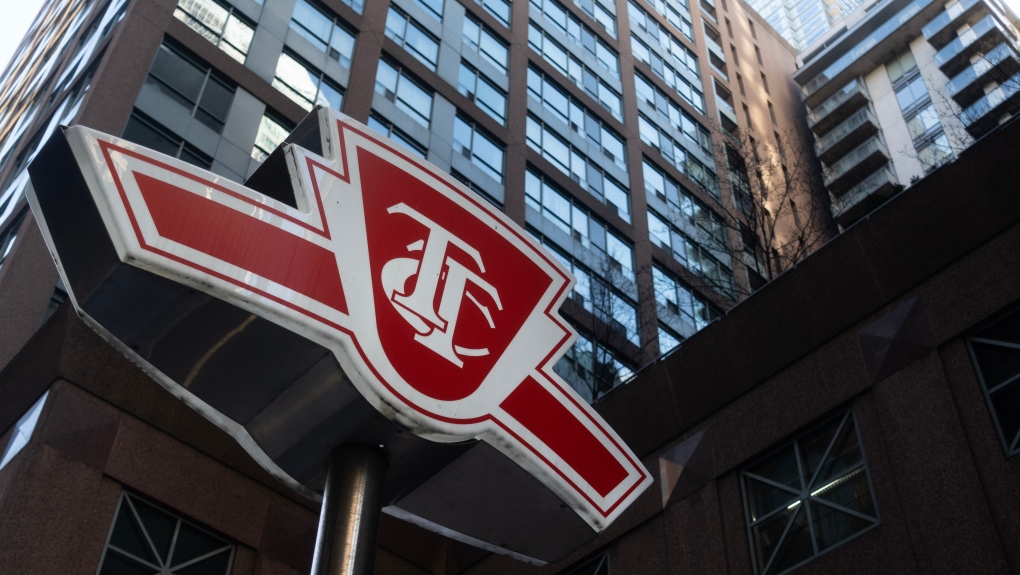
972	116
862	47
880	180
939	26
953	56
847	163
854	88
862	117
957	87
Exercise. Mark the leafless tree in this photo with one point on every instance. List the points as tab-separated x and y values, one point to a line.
777	211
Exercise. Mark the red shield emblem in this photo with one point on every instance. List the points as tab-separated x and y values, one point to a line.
441	311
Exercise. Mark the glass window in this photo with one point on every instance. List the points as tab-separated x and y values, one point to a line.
220	24
412	99
575	70
386	128
305	85
676	154
667	340
903	65
924	121
677	13
691	253
685	206
935	153
142	130
476	188
486	43
323	30
691	93
433	7
575	220
580	34
483	151
194	86
593	370
578	166
576	116
807	496
489	97
499	9
147	538
912	93
995	351
272	133
604	13
403	30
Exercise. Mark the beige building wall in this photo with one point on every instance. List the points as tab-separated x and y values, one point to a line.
894	129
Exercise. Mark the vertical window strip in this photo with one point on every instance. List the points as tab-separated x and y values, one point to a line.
581	75
575	164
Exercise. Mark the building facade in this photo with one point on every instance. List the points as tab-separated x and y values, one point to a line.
804	21
902	89
607	129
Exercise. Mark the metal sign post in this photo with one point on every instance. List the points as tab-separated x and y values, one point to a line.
351	504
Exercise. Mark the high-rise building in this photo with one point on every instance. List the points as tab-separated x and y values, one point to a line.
902	88
802	22
610	130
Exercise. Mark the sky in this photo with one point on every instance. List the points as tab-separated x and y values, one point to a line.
16	20
15	23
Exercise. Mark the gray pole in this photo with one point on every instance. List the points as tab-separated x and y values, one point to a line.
351	504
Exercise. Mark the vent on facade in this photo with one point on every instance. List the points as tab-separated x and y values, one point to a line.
673	307
466	152
609	155
390	96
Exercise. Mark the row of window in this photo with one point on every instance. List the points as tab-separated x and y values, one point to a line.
574	220
482	91
681	301
411	36
598	297
576	116
592	369
581	75
579	33
691	254
677	155
326	32
677	13
222	25
602	11
685	205
488	45
691	93
679	118
578	166
681	54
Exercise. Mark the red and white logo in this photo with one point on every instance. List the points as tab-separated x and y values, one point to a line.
441	311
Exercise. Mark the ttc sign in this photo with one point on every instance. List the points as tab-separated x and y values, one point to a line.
441	312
